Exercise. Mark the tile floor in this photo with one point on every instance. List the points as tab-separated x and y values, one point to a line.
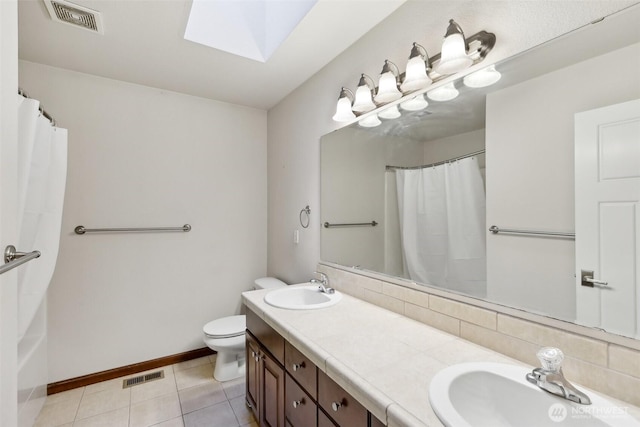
187	396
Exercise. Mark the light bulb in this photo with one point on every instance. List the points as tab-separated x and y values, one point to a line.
390	113
364	100
388	84
443	93
482	78
343	110
370	121
453	57
415	104
416	75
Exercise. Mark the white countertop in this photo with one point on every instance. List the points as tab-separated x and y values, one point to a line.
384	359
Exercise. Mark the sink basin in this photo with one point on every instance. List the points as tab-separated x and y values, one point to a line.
495	395
307	297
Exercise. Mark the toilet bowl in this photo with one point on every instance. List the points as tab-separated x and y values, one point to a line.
226	337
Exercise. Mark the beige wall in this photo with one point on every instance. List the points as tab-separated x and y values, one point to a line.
354	190
530	177
141	157
296	124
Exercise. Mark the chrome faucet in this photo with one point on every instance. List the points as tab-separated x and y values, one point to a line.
551	379
323	283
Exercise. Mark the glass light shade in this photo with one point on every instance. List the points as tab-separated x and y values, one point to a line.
444	93
370	121
415	76
415	104
387	88
453	57
390	113
482	78
343	110
363	102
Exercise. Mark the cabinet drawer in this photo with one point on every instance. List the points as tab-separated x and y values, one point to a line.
323	420
302	369
268	337
375	422
340	405
299	409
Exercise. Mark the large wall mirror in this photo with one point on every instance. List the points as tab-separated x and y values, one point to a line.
413	198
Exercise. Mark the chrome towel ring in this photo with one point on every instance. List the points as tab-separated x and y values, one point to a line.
307	212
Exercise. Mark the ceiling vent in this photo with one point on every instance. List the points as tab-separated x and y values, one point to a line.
76	15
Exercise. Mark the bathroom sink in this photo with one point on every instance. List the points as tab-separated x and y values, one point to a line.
495	394
306	297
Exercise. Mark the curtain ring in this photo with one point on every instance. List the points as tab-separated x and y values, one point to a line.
306	211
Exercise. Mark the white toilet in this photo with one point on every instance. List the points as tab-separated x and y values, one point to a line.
226	336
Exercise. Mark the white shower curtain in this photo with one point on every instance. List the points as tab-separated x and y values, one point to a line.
42	174
442	221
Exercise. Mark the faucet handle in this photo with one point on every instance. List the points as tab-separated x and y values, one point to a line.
323	276
551	358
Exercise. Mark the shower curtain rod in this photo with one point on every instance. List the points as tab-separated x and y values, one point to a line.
42	111
475	153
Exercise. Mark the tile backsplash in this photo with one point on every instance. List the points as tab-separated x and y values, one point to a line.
602	366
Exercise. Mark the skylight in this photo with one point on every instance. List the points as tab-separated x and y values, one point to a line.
253	29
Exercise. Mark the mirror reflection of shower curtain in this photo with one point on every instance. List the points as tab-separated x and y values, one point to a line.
442	225
42	174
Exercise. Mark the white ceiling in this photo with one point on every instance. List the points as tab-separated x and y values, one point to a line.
144	43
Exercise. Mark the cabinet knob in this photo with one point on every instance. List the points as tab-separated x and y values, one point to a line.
336	406
297	366
297	403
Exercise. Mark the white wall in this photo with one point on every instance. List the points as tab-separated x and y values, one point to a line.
297	123
141	157
530	176
8	210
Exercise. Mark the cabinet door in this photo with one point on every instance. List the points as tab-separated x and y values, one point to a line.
253	373
271	392
299	409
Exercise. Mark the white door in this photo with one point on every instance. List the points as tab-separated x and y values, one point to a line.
607	171
8	209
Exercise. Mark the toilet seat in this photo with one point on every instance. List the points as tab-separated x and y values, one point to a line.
226	327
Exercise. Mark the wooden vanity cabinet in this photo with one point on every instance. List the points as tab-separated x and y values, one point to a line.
265	380
284	388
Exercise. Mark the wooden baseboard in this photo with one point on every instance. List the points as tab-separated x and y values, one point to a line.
85	380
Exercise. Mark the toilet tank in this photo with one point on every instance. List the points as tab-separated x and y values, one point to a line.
268	283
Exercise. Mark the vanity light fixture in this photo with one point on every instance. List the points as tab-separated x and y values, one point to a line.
482	78
443	93
453	57
364	95
343	108
390	112
416	76
370	121
416	103
388	84
458	53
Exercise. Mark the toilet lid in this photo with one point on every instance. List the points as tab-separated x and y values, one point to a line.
226	327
